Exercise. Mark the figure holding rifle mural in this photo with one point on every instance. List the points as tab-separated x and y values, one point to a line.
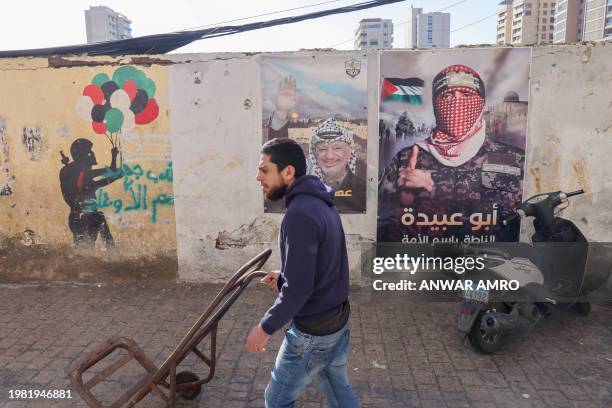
114	106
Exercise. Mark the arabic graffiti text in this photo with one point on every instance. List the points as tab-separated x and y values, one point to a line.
138	182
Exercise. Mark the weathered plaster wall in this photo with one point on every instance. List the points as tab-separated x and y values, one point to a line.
38	120
570	131
216	140
211	138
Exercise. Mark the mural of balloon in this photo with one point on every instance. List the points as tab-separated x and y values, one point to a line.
115	105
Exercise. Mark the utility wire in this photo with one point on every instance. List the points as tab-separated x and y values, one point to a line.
474	22
405	22
163	43
262	15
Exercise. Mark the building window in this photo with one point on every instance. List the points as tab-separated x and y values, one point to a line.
543	37
552	27
373	42
545	5
527	12
545	12
552	19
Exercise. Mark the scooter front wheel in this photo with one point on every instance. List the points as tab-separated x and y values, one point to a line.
584	308
480	340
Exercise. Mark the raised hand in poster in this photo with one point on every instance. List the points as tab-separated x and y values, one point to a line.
331	149
458	170
286	102
411	177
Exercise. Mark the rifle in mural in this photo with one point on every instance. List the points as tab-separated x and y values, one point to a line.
114	106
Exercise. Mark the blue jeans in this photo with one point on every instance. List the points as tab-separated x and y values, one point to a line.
304	357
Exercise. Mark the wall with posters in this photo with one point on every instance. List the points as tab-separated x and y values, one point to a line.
186	201
219	118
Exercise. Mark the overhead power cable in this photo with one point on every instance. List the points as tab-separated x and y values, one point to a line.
163	43
261	15
474	22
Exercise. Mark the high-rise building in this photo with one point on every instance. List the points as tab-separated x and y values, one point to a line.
504	22
427	30
105	24
597	20
374	33
569	21
522	22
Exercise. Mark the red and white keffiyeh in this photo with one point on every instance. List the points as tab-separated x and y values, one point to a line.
458	107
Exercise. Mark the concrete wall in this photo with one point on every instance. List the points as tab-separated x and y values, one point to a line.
38	120
211	138
216	143
569	139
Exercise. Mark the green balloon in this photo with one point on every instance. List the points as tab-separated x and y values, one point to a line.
124	73
149	87
113	120
99	79
140	79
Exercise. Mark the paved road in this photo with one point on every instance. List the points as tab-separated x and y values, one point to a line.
405	355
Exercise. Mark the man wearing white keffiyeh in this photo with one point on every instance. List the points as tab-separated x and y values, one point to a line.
332	152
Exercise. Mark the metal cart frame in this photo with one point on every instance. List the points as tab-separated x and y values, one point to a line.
185	384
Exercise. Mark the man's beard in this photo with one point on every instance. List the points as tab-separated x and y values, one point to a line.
277	193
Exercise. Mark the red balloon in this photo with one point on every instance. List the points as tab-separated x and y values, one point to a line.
95	93
148	114
98	127
130	88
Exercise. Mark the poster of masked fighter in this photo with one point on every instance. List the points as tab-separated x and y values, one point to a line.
321	102
452	144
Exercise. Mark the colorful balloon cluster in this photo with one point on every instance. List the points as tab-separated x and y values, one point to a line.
119	104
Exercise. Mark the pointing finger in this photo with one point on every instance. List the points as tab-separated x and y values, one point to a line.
413	158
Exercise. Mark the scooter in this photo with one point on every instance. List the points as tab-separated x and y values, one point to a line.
549	273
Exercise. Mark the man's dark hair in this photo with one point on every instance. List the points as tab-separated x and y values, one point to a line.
285	152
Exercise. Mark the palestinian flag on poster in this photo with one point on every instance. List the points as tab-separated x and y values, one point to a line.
407	90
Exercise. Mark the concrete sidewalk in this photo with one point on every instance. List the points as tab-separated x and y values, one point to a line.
401	355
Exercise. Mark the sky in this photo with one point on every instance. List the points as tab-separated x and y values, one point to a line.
42	23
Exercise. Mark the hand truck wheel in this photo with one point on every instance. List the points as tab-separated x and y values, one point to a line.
187	377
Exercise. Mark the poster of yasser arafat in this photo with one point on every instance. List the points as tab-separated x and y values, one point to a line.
452	135
321	102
